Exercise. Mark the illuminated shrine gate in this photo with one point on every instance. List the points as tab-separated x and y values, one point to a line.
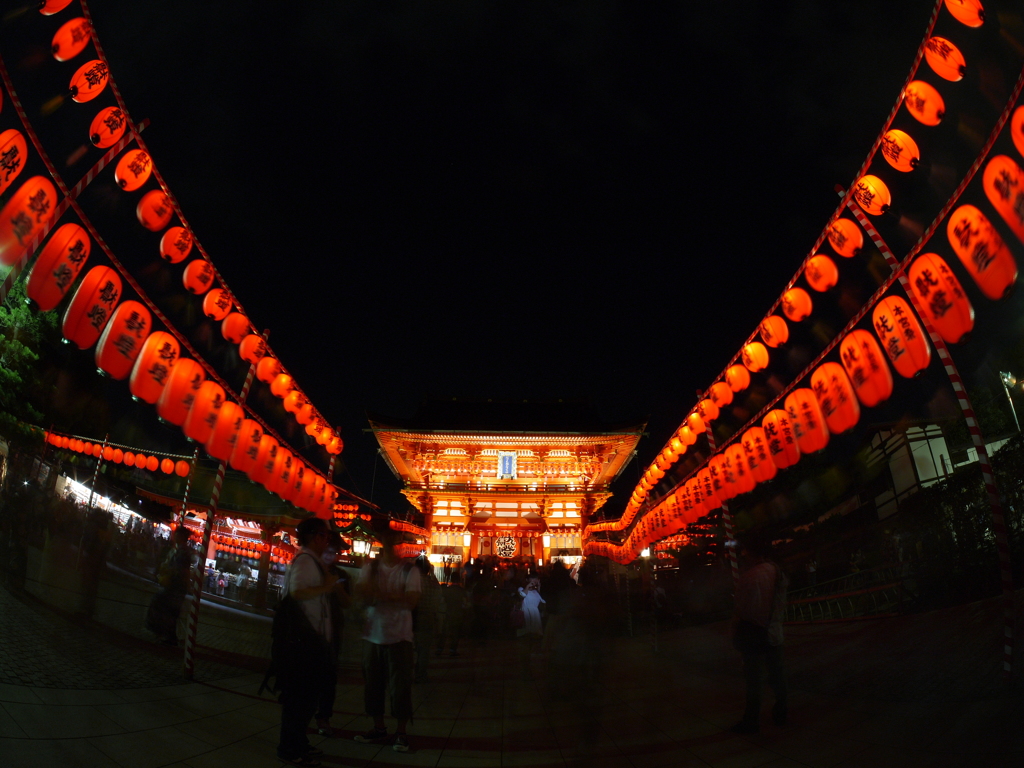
506	479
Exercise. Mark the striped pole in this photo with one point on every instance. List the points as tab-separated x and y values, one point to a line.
200	570
188	487
330	469
991	489
92	494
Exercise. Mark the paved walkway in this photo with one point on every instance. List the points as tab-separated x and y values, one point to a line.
915	691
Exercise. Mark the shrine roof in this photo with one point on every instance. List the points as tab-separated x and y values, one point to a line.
561	416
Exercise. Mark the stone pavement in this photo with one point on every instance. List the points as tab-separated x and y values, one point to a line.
924	690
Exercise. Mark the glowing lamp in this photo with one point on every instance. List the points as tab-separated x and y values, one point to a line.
902	337
107	128
91	306
175	245
900	151
836	397
982	251
153	366
25	216
968	12
133	170
1002	176
940	298
122	339
774	331
14	151
58	266
872	195
924	103
89	81
807	420
180	390
182	468
846	237
217	304
758	456
154	210
945	59
821	273
235	327
780	438
797	304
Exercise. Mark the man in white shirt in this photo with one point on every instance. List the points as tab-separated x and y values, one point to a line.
390	590
307	583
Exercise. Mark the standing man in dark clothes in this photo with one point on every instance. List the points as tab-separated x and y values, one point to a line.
340	600
760	608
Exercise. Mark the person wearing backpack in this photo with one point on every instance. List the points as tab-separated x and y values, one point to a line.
302	645
389	589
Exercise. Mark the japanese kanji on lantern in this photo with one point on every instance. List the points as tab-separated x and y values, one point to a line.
821	273
175	244
737	377
70	39
198	276
945	59
720	394
133	170
866	367
900	150
202	415
872	194
91	306
836	397
252	348
782	445
807	420
774	331
738	468
24	216
154	210
247	446
122	339
941	298
1004	187
924	103
89	81
107	127
57	267
268	369
180	390
758	456
14	151
235	327
845	237
686	435
223	436
217	304
901	336
755	358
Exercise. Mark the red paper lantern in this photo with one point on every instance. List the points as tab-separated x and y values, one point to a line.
221	442
968	12
262	469
58	266
902	337
202	416
940	298
807	420
738	464
89	81
836	397
707	490
782	444
91	306
797	304
737	377
866	367
182	468
982	251
945	59
252	348
268	369
154	210
198	276
846	237
686	435
152	463
305	414
759	457
122	339
924	103
706	408
175	245
235	327
108	453
133	169
180	390
282	385
721	394
217	304
821	273
50	7
107	128
774	331
14	151
872	195
24	216
900	151
167	466
247	446
153	366
129	459
118	456
1002	180
755	356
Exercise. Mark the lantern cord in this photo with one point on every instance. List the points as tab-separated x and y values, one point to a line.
896	274
161	181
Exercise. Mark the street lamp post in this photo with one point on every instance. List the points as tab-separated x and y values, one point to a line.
1009	380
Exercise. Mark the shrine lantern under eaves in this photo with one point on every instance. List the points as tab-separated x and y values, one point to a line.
180	390
902	336
846	237
58	266
982	251
122	339
153	366
90	307
940	298
198	276
203	413
133	170
217	304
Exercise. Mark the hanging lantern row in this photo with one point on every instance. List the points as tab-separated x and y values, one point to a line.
117	455
121	331
944	303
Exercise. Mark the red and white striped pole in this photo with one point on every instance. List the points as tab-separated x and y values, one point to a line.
188	487
995	504
92	494
200	570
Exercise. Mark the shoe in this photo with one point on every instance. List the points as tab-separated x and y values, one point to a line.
744	727
401	743
303	760
323	727
372	736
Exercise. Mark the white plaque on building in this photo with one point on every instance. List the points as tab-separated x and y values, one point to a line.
506	465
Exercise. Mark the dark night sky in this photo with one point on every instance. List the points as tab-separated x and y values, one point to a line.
531	199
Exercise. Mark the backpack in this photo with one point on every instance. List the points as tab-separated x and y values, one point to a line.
296	649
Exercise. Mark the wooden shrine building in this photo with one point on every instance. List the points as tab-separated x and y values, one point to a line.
510	479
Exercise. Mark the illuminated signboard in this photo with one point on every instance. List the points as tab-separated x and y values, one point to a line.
506	465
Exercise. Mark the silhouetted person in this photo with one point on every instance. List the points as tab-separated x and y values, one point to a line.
455	602
760	609
173	577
